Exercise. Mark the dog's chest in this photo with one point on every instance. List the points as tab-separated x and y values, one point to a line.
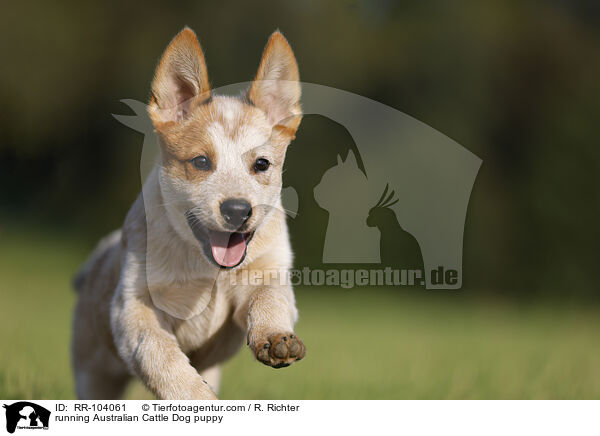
193	333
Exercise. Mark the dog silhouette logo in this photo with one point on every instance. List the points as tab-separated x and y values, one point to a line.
26	415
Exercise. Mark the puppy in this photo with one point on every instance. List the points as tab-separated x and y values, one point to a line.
164	298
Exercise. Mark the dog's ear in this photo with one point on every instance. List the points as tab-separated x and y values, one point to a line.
276	89
181	81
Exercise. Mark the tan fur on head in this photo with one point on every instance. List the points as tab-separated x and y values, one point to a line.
149	304
180	81
231	133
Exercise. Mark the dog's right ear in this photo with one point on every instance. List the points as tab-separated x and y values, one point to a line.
180	82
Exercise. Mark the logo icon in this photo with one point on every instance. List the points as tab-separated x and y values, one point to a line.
26	415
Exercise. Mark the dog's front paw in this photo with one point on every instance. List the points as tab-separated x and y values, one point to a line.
279	350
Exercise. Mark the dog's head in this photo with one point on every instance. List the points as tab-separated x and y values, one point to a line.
222	157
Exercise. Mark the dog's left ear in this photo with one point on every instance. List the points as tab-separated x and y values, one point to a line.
181	81
276	88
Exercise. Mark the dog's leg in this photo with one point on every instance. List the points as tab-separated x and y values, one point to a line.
213	377
270	325
99	373
151	350
96	383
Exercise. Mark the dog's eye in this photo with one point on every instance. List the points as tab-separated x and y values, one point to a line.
261	165
201	163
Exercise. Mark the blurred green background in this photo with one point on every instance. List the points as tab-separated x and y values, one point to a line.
516	83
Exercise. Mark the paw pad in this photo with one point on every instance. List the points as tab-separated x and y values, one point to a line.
280	350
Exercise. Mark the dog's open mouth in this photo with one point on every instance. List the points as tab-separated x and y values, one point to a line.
225	249
229	249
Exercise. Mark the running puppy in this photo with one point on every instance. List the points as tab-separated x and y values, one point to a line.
164	297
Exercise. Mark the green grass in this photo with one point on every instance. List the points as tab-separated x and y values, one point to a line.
362	343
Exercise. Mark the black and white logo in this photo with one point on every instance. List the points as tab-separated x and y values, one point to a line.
26	415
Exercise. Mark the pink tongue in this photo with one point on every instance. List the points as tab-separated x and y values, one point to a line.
227	248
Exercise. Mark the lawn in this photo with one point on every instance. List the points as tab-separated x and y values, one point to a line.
362	343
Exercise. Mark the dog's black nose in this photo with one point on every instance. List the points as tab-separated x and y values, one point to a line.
236	211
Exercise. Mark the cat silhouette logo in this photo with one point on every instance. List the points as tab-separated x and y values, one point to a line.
370	233
26	415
